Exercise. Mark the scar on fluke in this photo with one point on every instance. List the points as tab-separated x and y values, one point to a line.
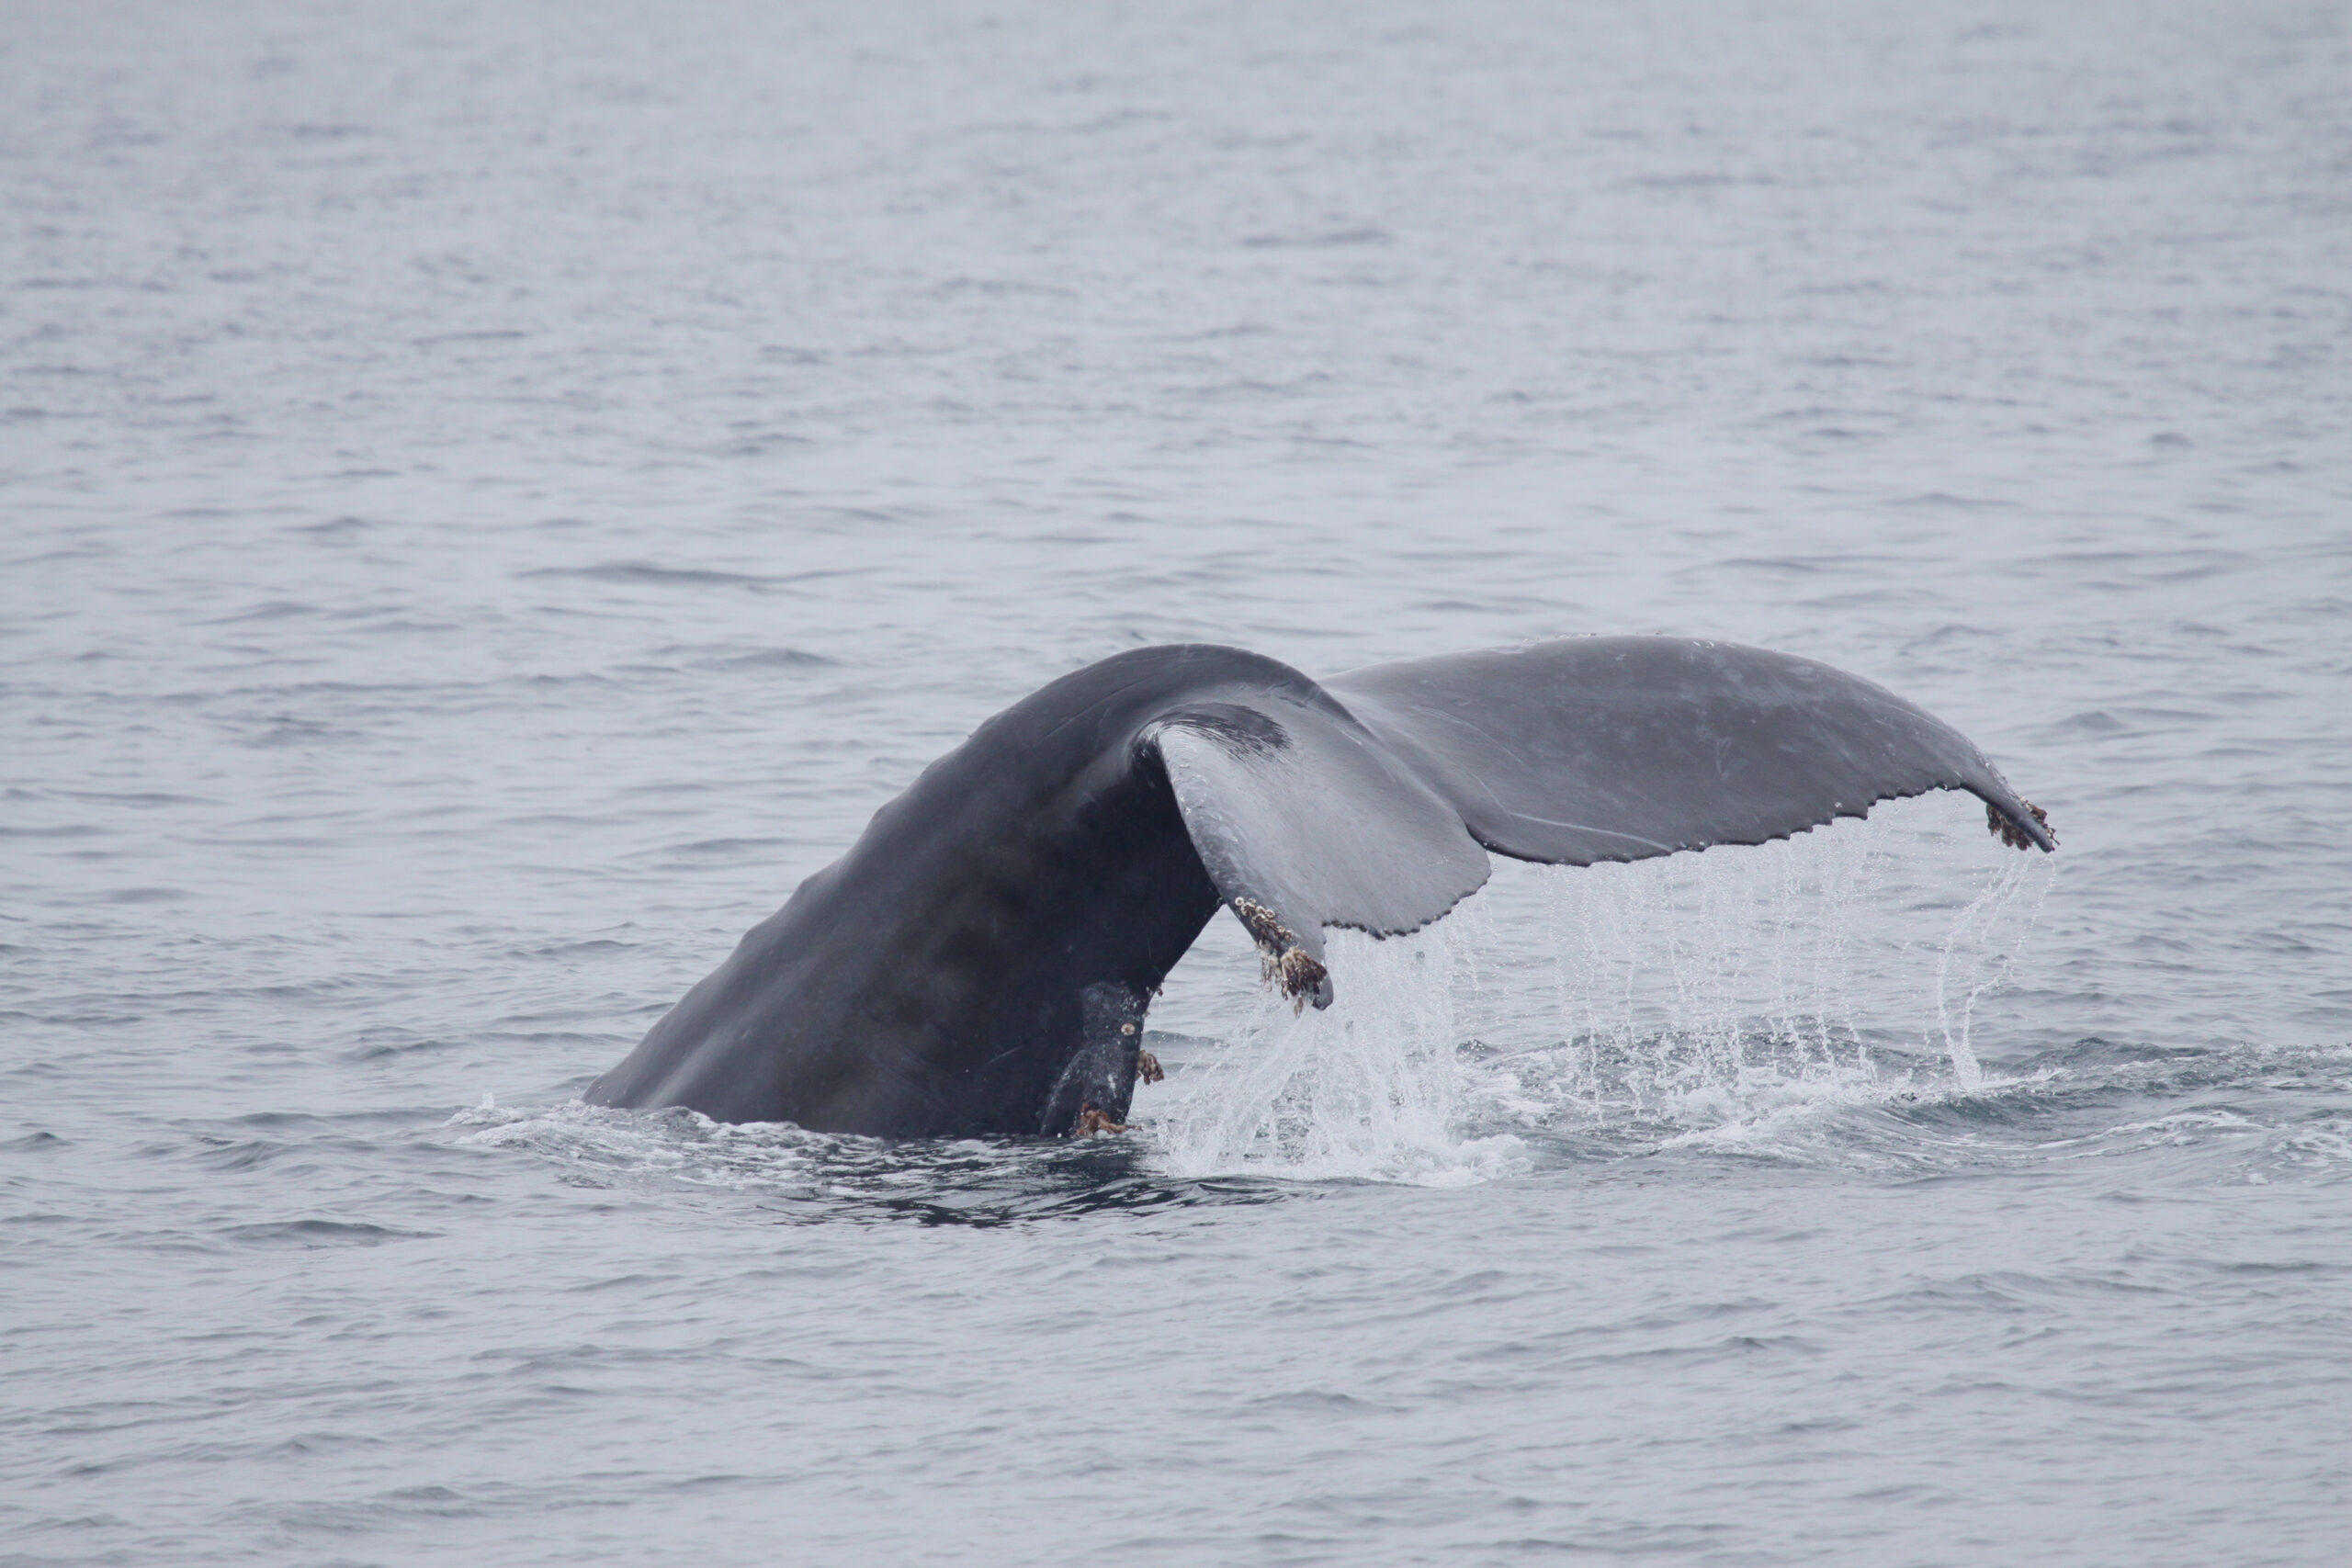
1147	1065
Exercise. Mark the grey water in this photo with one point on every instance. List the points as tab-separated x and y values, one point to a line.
492	495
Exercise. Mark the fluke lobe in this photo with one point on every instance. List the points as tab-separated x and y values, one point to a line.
979	961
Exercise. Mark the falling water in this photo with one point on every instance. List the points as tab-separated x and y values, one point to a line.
1369	1088
1973	947
1686	993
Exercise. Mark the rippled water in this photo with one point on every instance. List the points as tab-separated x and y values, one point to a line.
495	495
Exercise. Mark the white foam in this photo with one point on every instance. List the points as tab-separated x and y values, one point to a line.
675	1146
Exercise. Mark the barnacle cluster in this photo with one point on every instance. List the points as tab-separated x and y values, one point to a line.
1281	961
1301	975
1093	1120
1267	931
2009	833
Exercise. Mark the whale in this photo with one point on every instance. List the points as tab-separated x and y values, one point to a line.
981	960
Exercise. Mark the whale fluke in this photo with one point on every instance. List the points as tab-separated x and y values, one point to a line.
981	958
1621	747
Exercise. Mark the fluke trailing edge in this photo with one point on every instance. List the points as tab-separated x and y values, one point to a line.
980	960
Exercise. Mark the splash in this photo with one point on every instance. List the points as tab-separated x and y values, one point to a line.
1732	995
1369	1090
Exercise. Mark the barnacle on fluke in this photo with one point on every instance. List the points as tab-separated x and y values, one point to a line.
1302	977
1271	934
1093	1120
1281	960
2009	833
981	960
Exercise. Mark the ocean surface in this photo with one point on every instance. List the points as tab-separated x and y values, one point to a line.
492	496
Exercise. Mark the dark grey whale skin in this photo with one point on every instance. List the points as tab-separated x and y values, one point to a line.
930	982
981	960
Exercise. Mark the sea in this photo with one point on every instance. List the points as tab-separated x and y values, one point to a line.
492	495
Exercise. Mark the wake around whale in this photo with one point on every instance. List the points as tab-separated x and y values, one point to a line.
980	960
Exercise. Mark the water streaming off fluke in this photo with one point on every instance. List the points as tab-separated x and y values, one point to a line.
1677	995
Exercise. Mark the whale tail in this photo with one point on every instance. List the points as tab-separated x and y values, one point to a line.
1373	800
980	960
